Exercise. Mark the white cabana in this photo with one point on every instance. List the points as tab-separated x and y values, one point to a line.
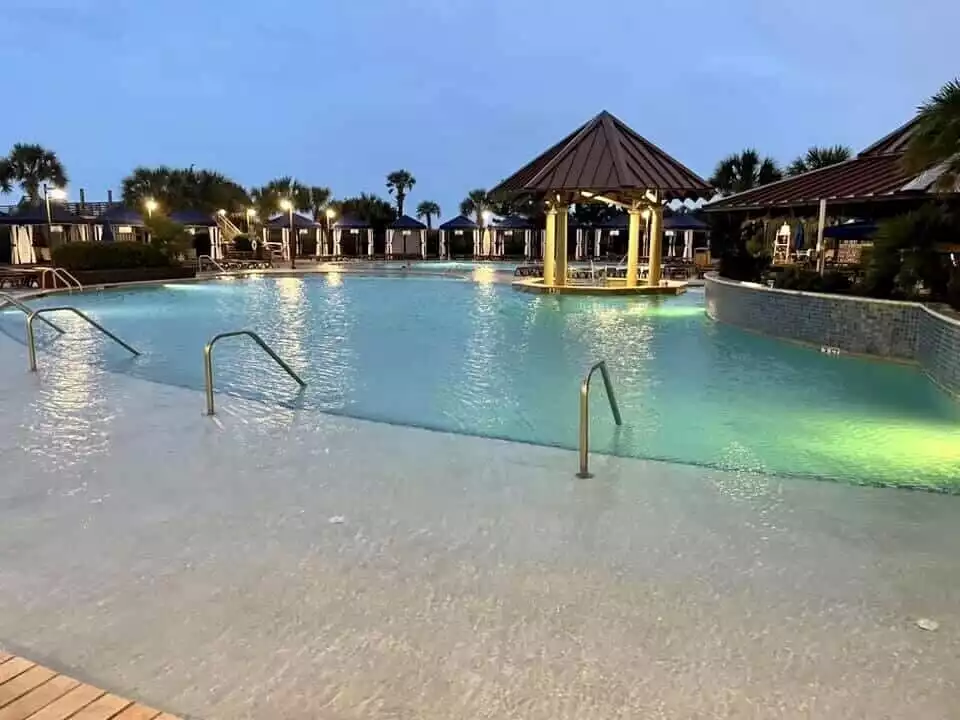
406	238
198	223
302	228
352	237
33	233
457	230
516	231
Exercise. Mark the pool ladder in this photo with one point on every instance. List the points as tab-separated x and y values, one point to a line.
64	276
208	361
31	337
201	258
25	309
585	413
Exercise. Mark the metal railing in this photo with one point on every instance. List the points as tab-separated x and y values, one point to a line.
31	339
201	258
65	276
25	309
585	413
208	361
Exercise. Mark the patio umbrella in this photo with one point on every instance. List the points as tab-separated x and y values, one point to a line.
798	238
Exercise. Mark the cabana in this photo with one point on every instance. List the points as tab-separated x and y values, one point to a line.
207	238
352	237
406	238
610	237
280	226
689	225
125	225
30	241
515	233
453	236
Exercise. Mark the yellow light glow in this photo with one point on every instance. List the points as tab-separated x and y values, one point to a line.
221	212
334	279
484	275
646	214
57	193
331	213
151	204
286	205
251	213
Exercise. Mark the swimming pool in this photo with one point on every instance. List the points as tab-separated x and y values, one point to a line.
482	359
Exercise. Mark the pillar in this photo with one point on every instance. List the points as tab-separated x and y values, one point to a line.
550	248
527	250
688	244
656	244
369	242
596	242
562	243
633	247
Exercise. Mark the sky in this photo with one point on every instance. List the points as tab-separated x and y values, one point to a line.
459	92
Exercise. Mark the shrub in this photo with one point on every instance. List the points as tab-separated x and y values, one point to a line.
953	290
795	277
742	266
108	256
170	237
241	243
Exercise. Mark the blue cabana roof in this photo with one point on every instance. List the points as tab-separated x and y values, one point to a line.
352	223
299	221
196	218
121	215
405	222
460	222
616	222
685	222
514	222
859	230
37	215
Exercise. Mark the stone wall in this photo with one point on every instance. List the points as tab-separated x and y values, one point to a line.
883	328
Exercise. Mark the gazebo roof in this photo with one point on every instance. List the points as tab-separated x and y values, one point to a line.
37	215
195	218
605	156
352	223
460	222
514	222
121	215
405	222
299	221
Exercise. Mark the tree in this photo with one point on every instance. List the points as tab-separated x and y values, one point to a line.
935	139
741	172
369	208
399	184
428	210
6	176
319	200
819	157
183	189
32	165
476	203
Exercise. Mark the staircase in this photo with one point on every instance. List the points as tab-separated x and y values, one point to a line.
228	229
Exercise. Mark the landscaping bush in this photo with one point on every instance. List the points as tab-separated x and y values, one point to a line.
242	243
804	279
741	265
109	256
953	291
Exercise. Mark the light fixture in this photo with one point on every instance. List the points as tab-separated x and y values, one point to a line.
285	204
57	193
330	213
251	213
487	217
221	212
646	214
150	204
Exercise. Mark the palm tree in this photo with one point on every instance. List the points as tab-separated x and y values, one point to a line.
32	165
400	183
183	188
144	183
428	210
319	200
476	203
819	157
741	172
936	137
6	176
267	199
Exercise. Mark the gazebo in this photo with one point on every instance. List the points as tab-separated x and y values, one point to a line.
28	225
689	225
459	227
352	237
280	225
514	230
124	224
604	161
207	239
406	238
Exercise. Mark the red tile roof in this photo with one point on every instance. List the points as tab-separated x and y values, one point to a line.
605	155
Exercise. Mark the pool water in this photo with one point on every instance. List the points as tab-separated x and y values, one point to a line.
483	359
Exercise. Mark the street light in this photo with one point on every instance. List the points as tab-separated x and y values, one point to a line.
285	204
57	194
331	214
151	205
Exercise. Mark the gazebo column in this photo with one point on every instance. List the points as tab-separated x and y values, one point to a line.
563	222
633	247
550	248
656	244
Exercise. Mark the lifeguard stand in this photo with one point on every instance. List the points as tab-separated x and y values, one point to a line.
781	244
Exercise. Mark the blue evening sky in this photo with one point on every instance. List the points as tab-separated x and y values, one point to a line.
459	92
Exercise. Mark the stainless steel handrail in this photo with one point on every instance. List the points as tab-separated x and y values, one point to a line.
213	262
585	413
208	361
31	340
25	309
64	275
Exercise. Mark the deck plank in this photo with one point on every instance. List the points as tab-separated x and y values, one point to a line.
103	708
13	667
138	712
67	705
4	657
24	683
38	698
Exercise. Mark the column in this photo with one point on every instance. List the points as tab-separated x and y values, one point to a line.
423	244
550	248
562	243
656	244
370	242
443	243
388	245
527	254
633	247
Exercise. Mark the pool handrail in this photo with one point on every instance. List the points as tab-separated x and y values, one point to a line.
25	309
31	339
213	262
65	276
585	413
208	361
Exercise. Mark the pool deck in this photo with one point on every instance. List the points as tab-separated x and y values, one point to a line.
32	692
273	563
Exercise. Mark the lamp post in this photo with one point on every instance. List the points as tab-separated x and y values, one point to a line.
285	204
151	205
57	194
331	214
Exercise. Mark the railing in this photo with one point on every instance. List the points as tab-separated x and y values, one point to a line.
585	413
201	258
228	228
65	276
208	361
25	309
31	340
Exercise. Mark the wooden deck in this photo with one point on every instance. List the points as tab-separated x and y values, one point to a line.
32	692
